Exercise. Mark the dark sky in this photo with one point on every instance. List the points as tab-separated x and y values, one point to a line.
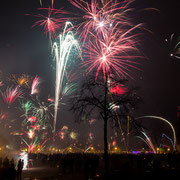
24	49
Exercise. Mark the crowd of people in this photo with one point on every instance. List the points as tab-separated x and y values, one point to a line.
9	170
91	165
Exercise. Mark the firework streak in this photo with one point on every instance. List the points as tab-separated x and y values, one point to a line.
11	94
62	50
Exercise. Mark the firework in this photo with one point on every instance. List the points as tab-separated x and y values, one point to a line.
32	145
62	51
30	134
100	18
11	94
42	110
3	116
21	80
107	31
112	55
51	23
117	89
36	127
162	119
113	106
73	135
1	83
175	46
34	88
50	100
40	1
147	140
26	107
32	119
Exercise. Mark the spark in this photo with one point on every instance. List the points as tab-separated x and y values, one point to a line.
11	94
118	89
1	83
30	134
51	23
42	110
99	18
73	135
34	88
3	116
62	50
147	140
176	46
32	119
163	119
32	145
22	80
50	100
113	55
26	107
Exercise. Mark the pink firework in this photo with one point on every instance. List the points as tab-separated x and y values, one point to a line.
100	18
11	94
34	88
51	23
114	54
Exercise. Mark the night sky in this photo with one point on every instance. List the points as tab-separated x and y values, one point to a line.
24	49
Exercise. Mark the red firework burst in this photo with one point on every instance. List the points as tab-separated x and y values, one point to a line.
51	23
11	94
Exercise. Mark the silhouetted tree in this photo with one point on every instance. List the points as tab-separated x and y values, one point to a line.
96	96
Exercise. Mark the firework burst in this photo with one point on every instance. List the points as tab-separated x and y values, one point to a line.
26	107
113	54
100	18
51	23
21	80
11	94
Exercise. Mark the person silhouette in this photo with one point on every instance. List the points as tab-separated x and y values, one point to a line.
19	169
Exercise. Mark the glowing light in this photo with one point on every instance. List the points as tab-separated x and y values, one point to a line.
24	157
30	134
101	24
73	135
118	89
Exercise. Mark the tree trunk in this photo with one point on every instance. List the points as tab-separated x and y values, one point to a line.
106	158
